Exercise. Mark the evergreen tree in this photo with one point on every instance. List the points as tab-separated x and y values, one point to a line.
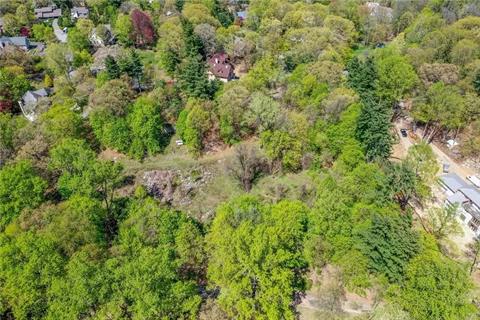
476	82
373	129
361	75
193	43
193	79
112	68
222	14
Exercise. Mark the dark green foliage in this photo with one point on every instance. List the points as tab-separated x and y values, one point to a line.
193	43
476	83
222	14
362	75
193	79
402	182
373	129
132	66
389	243
112	68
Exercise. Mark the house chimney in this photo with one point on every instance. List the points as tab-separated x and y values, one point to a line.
216	60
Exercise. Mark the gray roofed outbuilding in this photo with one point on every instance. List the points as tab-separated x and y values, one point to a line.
453	182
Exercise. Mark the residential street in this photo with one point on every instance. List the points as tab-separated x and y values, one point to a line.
61	36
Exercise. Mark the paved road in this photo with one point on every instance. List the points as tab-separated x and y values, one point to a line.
61	36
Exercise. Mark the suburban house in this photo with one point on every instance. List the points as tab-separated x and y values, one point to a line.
30	101
79	12
50	12
466	197
101	55
102	36
378	11
220	67
19	42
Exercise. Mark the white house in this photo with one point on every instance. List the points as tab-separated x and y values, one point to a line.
30	101
466	197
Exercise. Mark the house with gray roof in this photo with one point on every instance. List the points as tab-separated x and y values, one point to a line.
79	12
49	12
19	42
30	101
466	197
451	183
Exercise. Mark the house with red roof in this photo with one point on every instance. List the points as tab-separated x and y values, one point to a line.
220	67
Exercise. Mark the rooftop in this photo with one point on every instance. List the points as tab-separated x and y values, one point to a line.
453	182
220	66
14	41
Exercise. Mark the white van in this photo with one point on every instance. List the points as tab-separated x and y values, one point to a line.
474	180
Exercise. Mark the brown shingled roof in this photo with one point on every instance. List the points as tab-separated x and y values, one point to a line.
220	66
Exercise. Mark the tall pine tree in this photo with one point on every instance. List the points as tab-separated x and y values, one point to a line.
373	128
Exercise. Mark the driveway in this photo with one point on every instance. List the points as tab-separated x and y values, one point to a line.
442	157
61	36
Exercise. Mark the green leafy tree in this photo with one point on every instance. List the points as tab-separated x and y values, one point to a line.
436	288
282	148
74	159
196	125
442	221
83	286
256	257
146	125
12	87
396	77
20	188
28	266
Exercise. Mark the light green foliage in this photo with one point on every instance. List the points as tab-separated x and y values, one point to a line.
20	188
146	267
435	288
74	159
396	77
9	131
61	122
197	123
146	124
124	29
256	256
28	265
442	222
262	113
42	32
263	74
58	58
281	147
83	286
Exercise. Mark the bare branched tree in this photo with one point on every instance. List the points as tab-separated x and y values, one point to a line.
247	166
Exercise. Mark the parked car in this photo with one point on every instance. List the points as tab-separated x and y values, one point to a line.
446	167
474	180
403	132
